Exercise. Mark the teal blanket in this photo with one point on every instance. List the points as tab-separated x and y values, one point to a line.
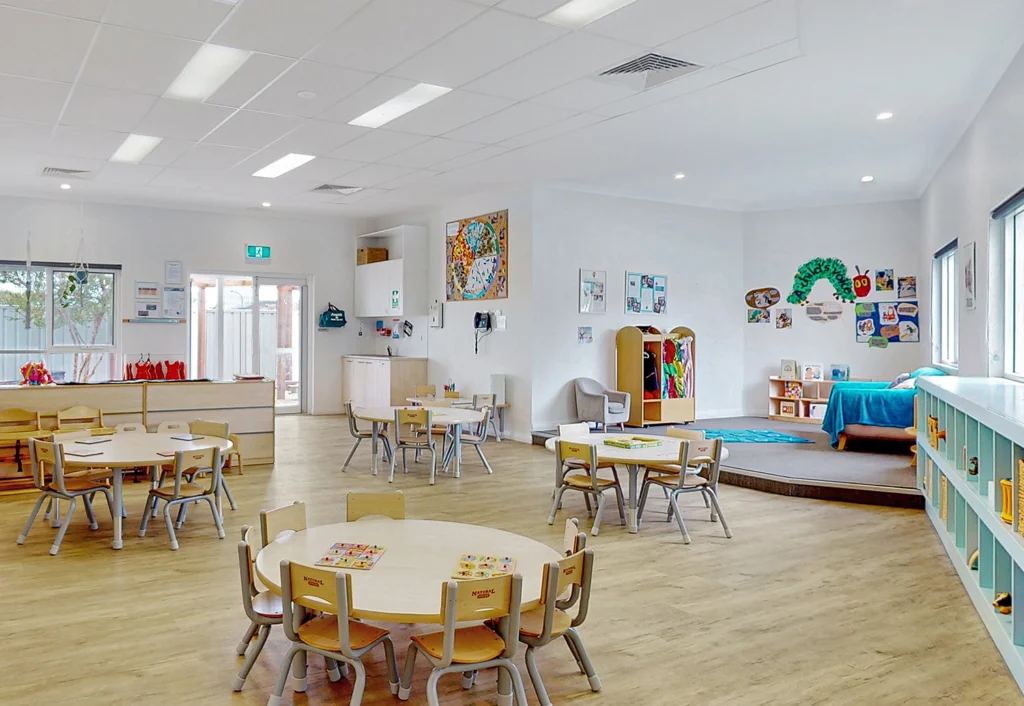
869	403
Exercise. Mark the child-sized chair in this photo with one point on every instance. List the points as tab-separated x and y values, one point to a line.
287	518
262	608
360	505
588	484
184	492
421	419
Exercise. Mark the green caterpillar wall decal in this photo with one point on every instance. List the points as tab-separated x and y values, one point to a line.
822	268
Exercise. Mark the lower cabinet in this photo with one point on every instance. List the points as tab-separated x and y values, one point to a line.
379	381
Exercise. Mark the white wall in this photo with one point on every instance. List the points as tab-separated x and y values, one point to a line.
700	251
871	236
984	168
141	239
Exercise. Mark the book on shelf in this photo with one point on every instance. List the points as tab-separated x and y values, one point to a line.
793	390
787	409
839	372
789	370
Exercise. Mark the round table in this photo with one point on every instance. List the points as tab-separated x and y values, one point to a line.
129	450
404	586
632	459
440	416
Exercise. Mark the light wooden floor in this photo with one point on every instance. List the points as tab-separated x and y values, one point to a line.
810	603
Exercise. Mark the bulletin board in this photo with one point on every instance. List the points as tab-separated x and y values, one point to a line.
895	322
646	294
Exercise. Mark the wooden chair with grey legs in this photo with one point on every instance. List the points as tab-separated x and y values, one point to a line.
587	483
420	439
468	649
184	492
333	634
103	475
360	434
60	488
262	608
569	465
684	483
287	519
374	505
700	458
566	583
477	438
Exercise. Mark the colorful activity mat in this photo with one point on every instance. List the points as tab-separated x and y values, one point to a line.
352	556
633	442
754	436
480	566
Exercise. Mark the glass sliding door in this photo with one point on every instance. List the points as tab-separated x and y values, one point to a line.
282	336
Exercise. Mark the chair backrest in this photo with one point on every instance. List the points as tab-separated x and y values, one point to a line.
482	428
45	454
325	590
196	459
578	429
202	427
573	540
481	599
484	400
359	505
173	427
80	417
245	569
709	456
418	417
452	394
570	575
579	450
353	428
590	386
131	427
16	420
700	445
681	433
426	390
288	518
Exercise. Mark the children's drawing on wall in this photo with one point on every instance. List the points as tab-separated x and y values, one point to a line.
862	283
585	334
970	274
784	318
892	322
887	314
758	316
831	269
884	281
907	287
824	311
763	297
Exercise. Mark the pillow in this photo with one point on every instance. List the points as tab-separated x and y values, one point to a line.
926	371
900	379
908	384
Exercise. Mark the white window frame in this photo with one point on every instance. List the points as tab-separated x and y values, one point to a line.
945	308
1014	273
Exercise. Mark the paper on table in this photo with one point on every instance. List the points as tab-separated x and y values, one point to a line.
84	454
481	566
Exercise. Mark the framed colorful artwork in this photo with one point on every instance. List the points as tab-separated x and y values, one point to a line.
476	258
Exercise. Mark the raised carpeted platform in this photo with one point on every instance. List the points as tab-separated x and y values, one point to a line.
874	473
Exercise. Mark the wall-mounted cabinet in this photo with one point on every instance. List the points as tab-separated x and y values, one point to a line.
396	286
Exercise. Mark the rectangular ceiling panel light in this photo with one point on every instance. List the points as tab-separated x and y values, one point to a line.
416	97
206	71
580	13
283	165
135	148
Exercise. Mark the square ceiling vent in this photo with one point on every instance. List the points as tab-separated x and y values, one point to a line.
336	189
648	71
61	173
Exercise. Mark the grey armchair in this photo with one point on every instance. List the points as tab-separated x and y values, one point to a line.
596	403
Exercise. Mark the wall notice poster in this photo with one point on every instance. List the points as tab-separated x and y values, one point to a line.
477	257
593	291
146	308
892	322
174	302
147	290
646	294
970	283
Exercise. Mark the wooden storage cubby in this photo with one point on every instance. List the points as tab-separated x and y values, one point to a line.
630	343
812	392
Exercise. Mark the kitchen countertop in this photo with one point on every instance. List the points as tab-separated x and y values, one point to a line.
380	355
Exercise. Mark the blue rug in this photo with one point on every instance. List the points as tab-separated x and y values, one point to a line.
754	436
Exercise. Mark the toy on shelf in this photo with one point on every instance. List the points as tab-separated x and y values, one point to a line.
1006	514
35	374
972	466
1003	603
934	435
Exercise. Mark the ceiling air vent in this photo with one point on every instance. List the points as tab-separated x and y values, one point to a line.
336	189
66	173
648	71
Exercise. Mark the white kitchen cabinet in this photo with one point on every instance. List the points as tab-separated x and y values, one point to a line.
404	272
381	381
375	284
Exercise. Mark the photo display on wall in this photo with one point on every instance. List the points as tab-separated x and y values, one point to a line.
894	322
646	294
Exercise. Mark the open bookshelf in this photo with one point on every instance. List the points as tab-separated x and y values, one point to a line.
801	396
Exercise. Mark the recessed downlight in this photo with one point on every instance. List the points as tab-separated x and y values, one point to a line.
306	95
884	115
867	179
266	204
679	176
65	186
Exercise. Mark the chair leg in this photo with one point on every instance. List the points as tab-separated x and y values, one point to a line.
575	653
621	500
93	525
243	644
110	502
49	506
535	677
433	463
573	638
644	489
227	491
216	516
586	501
333	670
55	512
517	683
674	502
405	687
250	660
718	509
601	501
555	506
31	518
360	684
351	454
480	452
149	511
64	527
170	527
432	680
282	677
389	657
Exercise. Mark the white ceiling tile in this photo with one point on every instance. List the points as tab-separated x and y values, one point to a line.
767	57
377	91
29	99
168	152
764	26
485	3
653	22
409	179
91	106
19	136
127	174
584	94
318	137
388	32
83	9
253	130
530	8
362	195
85	142
520	118
42	46
376	145
567	58
174	178
430	152
375	174
245	83
329	83
479	155
690	83
284	27
449	112
478	47
192	19
136	61
183	120
205	157
545	133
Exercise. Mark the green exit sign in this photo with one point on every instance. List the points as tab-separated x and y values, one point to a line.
257	253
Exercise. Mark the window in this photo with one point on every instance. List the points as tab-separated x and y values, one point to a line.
65	319
1015	295
945	337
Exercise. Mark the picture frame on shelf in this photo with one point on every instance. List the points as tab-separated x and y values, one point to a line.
787	408
839	372
789	370
812	372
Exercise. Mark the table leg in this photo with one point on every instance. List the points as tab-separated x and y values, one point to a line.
634	471
118	482
374	439
457	450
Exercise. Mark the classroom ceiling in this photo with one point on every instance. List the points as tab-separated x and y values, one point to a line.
782	114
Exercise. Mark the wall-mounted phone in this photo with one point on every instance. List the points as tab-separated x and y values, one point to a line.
482	328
